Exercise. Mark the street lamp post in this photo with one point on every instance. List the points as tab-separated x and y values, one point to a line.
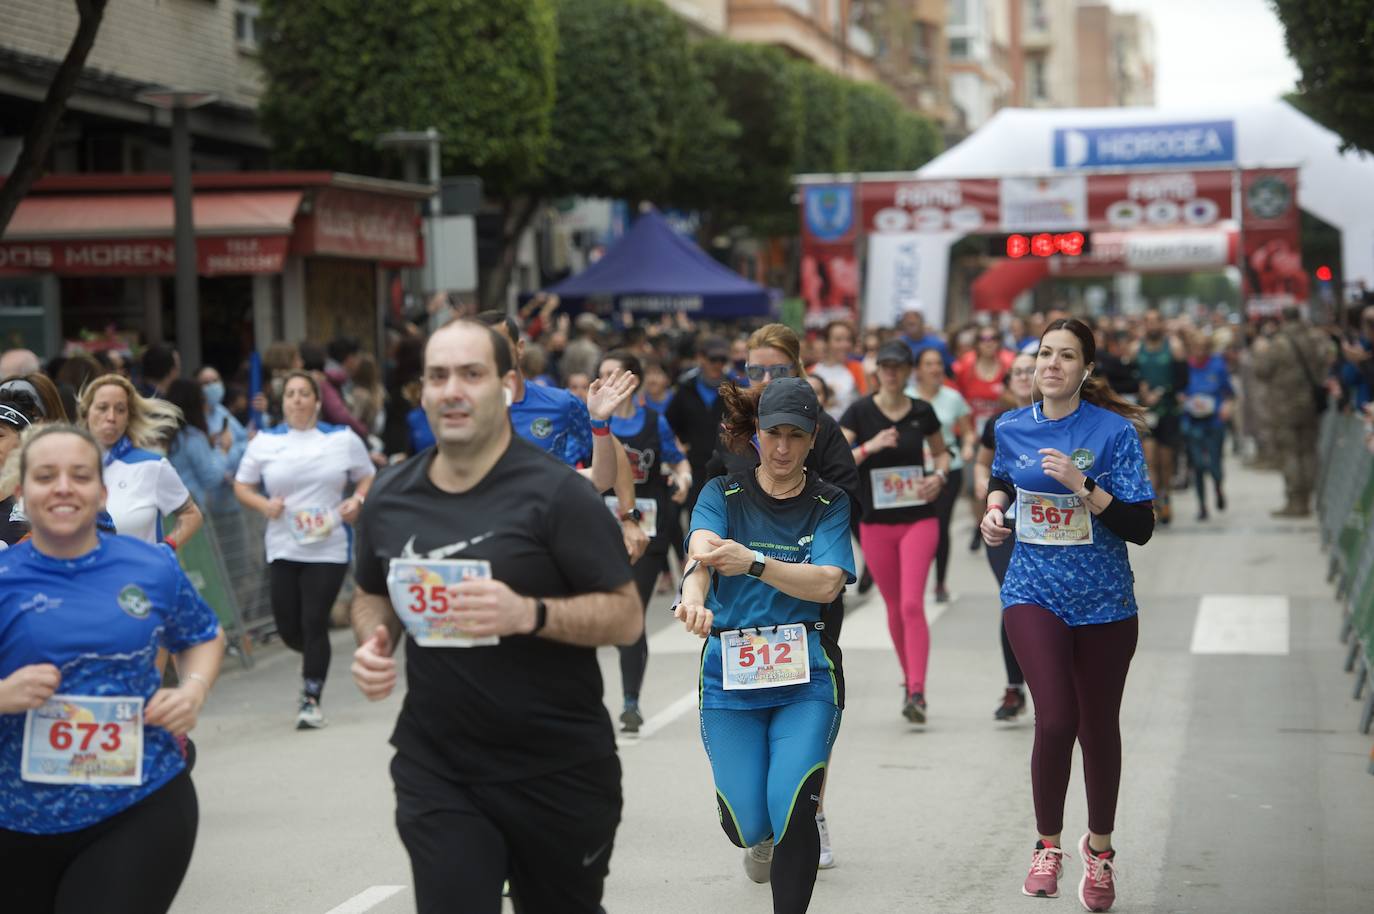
429	140
184	232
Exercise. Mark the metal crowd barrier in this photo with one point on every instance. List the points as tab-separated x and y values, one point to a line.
1345	504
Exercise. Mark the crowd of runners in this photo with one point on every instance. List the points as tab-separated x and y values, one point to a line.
510	492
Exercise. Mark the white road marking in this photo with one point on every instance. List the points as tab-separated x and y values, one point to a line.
1241	624
367	899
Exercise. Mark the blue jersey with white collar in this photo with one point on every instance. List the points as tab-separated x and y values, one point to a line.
99	619
1083	585
555	421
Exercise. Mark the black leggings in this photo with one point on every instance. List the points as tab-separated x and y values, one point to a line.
302	595
634	658
999	557
1076	676
131	863
944	510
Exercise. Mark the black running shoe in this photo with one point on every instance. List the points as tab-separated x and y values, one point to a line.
915	708
1013	703
865	582
1221	499
631	720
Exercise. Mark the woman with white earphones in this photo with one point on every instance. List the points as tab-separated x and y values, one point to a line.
1069	474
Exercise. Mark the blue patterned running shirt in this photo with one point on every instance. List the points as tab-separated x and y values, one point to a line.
99	619
1088	584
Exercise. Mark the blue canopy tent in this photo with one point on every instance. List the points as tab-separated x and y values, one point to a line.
654	270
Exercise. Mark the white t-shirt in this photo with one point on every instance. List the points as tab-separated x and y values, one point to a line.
309	469
950	406
143	488
840	380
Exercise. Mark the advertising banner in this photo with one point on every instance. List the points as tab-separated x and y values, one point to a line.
965	207
1045	204
1272	260
829	266
1160	200
906	271
1146	145
215	256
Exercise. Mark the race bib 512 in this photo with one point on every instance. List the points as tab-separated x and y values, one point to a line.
765	658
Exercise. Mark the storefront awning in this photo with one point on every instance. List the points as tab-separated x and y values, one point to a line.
240	232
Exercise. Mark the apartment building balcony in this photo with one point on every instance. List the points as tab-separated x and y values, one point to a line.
797	27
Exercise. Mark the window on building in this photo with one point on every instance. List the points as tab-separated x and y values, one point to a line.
246	18
1039	84
922	44
958	13
958	49
1037	20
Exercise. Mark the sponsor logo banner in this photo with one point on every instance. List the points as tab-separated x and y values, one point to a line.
1145	145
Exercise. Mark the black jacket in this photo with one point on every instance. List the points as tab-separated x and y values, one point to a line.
698	427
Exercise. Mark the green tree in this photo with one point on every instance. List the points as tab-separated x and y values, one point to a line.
759	88
873	139
1332	42
340	72
825	120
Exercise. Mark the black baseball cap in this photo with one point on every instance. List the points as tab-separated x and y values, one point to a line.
789	401
895	351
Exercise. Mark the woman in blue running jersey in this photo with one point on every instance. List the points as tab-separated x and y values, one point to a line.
1069	473
768	548
97	810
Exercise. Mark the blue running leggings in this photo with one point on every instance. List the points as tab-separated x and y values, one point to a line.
769	766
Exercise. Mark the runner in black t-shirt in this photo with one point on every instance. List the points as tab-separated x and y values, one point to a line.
505	761
899	531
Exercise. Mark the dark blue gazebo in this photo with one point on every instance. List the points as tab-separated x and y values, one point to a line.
654	270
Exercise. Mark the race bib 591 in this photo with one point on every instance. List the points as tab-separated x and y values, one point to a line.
895	487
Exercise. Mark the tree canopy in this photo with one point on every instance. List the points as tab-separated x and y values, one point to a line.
340	72
1332	42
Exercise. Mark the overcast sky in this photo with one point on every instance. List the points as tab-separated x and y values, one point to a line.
1216	51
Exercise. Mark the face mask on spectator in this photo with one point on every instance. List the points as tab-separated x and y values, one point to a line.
214	392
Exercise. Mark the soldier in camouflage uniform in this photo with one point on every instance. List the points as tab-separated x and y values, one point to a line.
1289	407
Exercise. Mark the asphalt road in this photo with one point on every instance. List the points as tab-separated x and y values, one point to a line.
1245	785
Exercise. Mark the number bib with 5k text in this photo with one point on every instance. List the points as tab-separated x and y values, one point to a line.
765	658
84	739
419	594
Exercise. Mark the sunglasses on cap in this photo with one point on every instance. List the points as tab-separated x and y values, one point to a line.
756	372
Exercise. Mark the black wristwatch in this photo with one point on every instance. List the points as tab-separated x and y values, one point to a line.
633	514
1089	485
756	569
541	615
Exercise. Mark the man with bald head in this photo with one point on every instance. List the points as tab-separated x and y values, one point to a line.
505	763
15	363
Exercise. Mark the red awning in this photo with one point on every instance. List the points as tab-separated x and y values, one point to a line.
92	216
130	234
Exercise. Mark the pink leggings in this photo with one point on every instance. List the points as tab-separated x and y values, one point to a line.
899	555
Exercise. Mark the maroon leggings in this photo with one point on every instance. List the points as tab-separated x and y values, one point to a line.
1076	676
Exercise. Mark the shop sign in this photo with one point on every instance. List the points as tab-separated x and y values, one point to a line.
346	223
216	256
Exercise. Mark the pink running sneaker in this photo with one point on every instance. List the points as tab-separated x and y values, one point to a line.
1097	888
1047	864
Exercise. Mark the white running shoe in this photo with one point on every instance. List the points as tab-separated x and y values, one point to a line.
310	716
758	861
827	855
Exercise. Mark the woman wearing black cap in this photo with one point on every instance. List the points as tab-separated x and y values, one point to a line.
768	548
899	531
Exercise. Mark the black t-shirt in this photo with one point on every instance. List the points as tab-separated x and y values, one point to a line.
865	420
989	437
527	706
